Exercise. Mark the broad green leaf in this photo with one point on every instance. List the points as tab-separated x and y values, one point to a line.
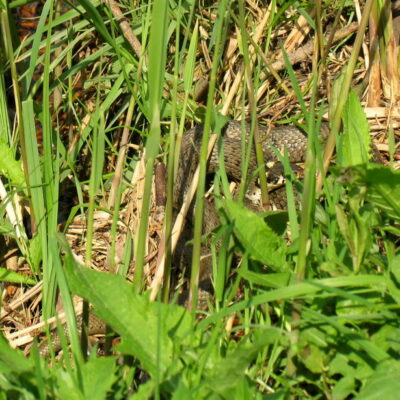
277	220
244	389
148	330
315	336
17	374
314	358
355	141
384	383
387	338
343	388
259	240
145	391
12	360
97	377
313	348
67	386
341	364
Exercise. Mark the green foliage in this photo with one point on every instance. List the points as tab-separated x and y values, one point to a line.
7	275
355	141
376	184
97	378
10	167
335	322
259	240
384	383
125	311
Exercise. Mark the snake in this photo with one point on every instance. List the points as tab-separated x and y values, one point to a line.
288	137
291	138
95	327
284	137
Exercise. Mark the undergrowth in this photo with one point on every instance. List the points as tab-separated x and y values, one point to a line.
305	299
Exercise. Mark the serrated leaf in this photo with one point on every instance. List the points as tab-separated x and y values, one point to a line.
259	240
147	329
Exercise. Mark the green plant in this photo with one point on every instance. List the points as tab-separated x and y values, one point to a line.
306	300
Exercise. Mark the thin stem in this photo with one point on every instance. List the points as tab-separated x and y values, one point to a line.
198	223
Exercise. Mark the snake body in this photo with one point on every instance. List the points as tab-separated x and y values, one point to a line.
95	327
290	138
281	137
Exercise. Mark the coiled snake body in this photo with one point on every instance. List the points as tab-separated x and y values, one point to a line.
290	138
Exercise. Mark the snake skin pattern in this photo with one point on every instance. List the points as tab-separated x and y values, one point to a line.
289	137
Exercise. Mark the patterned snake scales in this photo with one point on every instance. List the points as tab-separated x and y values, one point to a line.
288	137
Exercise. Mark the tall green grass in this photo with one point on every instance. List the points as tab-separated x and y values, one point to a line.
302	310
